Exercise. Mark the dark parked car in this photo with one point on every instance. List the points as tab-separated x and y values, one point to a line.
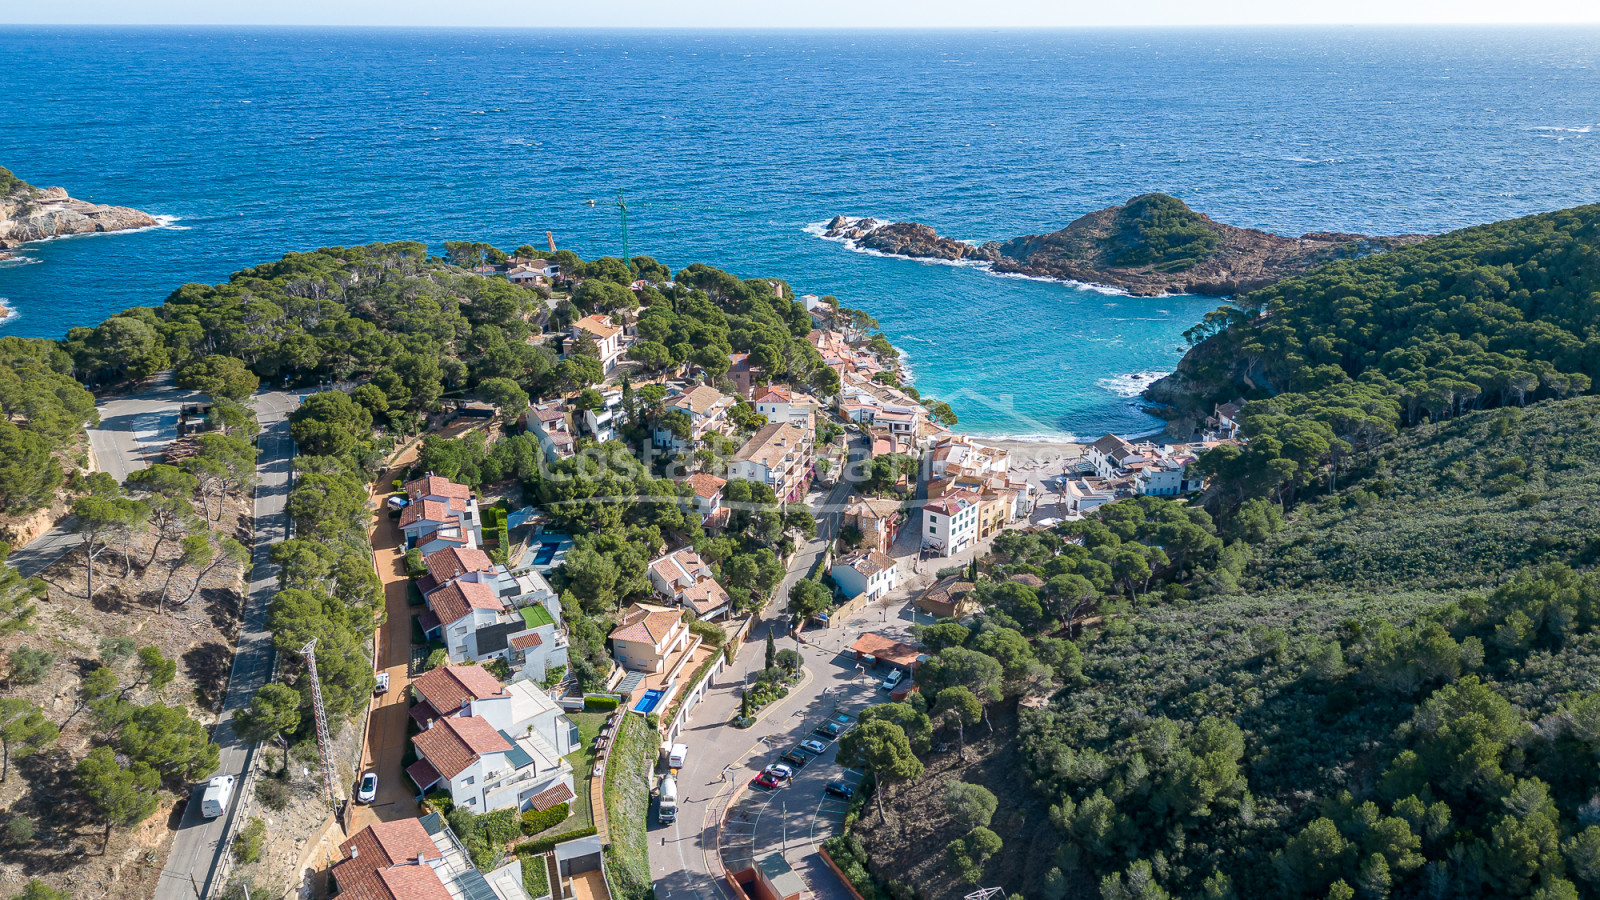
839	789
830	730
796	757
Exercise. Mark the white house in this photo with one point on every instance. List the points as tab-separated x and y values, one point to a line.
1110	454
439	515
707	409
1166	476
548	423
516	708
601	422
485	768
1081	496
950	523
782	405
483	612
707	494
419	859
865	572
606	336
687	580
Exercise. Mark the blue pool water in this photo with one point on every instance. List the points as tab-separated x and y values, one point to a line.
260	141
545	553
648	702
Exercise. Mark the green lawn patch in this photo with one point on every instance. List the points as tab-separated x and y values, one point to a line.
537	615
582	760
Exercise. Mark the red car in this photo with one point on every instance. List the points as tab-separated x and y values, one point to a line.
768	780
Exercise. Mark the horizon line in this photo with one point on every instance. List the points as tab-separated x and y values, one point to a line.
830	29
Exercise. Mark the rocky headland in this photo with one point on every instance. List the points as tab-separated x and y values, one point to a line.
29	213
1152	245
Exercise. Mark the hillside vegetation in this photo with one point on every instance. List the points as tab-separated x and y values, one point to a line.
1362	666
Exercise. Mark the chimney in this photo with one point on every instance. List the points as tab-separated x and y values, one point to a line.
354	851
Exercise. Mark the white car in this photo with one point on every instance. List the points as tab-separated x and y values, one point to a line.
816	747
893	679
779	771
382	685
368	791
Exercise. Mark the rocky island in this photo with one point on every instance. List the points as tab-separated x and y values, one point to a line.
1152	245
29	213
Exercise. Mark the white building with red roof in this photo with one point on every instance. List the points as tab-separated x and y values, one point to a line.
551	425
440	514
419	859
483	611
485	768
685	579
707	493
950	523
707	409
607	338
865	572
783	405
779	455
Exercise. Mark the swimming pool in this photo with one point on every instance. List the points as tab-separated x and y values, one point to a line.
545	553
648	702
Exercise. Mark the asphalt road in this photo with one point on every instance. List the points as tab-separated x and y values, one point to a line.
133	431
684	856
197	848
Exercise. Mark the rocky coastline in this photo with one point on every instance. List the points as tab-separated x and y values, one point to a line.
1130	248
30	214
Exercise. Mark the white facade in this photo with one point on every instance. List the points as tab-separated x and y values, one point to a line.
950	524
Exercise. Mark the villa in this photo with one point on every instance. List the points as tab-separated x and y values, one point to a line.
607	339
549	424
495	749
648	637
682	577
482	612
707	494
440	514
707	409
420	859
877	518
950	523
782	405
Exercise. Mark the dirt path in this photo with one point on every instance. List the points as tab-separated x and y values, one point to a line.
386	726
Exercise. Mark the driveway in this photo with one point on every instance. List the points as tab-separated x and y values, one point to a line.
198	846
385	748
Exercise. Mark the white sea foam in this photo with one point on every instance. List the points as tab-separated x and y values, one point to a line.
820	229
163	223
1131	384
1571	129
1057	437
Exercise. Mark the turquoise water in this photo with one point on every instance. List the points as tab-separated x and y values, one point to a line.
730	145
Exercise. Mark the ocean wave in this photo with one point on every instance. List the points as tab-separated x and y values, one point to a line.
1131	384
1058	437
1571	129
163	223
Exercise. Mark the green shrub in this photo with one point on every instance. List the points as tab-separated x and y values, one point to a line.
594	703
251	839
499	668
439	802
19	831
535	821
414	565
29	666
535	876
500	826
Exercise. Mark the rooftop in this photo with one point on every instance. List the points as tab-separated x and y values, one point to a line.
431	485
887	649
453	562
647	624
447	688
455	742
599	326
771	444
705	484
867	562
535	615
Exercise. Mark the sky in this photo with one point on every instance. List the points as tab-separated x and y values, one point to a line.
795	13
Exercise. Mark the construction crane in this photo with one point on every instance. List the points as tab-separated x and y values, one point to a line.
324	741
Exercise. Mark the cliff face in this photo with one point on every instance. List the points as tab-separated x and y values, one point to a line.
1152	245
34	214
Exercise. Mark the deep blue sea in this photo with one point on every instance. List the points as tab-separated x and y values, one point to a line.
729	145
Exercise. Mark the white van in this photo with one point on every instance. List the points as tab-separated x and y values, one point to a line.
680	753
214	802
667	809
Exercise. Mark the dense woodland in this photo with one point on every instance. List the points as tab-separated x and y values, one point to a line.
1362	665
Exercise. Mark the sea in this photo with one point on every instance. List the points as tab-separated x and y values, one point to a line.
731	148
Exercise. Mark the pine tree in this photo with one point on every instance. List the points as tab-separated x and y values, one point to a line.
772	651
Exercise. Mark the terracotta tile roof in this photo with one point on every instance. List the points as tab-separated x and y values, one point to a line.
699	401
550	797
435	486
717	519
448	687
386	843
680	566
887	649
450	564
952	503
422	713
598	325
775	395
426	510
646	624
771	444
526	641
705	596
413	883
1111	444
705	484
422	772
455	742
459	598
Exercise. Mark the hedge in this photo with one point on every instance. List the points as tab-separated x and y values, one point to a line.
593	703
534	821
545	845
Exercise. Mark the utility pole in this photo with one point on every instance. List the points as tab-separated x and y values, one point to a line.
324	741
